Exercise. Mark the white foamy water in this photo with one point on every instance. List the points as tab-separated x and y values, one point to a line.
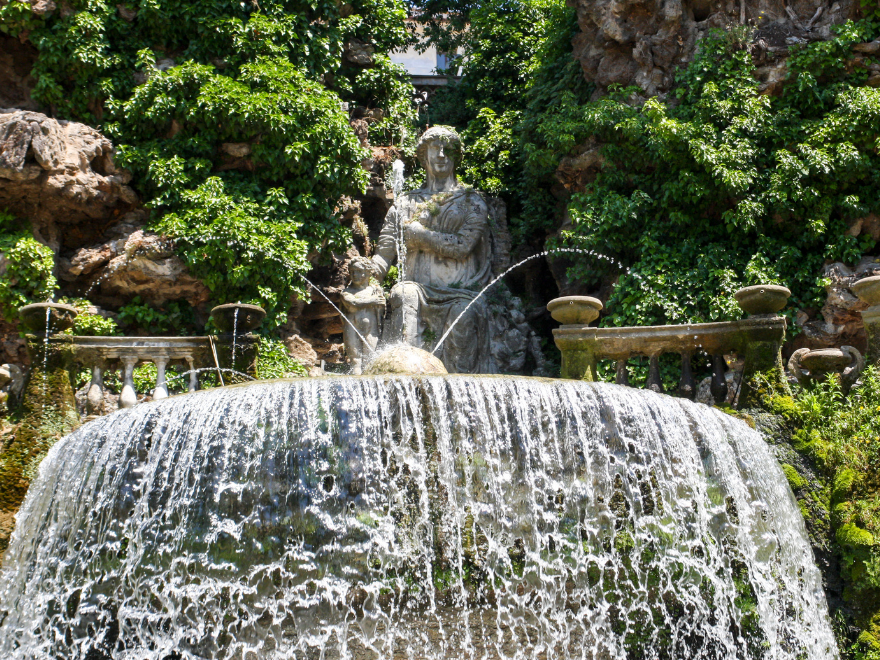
402	517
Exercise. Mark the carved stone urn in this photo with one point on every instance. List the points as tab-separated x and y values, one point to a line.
868	291
249	317
34	317
810	366
575	310
762	299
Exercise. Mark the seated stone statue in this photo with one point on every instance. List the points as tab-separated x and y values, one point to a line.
441	239
364	303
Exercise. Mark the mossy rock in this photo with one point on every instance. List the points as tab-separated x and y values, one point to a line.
782	405
870	640
843	484
795	480
854	537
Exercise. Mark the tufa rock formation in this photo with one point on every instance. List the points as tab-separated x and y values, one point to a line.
643	42
60	175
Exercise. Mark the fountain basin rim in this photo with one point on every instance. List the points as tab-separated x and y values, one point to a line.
33	317
249	317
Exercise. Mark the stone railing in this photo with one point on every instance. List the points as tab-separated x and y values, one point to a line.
757	339
55	355
125	353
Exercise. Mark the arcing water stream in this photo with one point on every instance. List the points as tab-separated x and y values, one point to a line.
403	517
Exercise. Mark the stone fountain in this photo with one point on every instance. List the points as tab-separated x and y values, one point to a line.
393	516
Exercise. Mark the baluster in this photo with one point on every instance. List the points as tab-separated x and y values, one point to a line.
655	383
686	386
193	375
128	397
719	382
622	375
161	389
95	396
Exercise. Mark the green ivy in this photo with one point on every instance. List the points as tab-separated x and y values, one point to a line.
726	187
273	361
25	268
87	323
517	74
174	317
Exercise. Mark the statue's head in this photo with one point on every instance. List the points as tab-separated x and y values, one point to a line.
439	150
361	270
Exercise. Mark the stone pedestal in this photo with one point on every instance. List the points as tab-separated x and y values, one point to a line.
871	319
761	348
48	384
239	355
236	346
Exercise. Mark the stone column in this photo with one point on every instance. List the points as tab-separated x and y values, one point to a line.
575	339
128	396
868	291
193	374
579	364
95	396
161	389
655	381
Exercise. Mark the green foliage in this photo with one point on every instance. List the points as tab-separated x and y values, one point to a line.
518	74
727	187
841	438
714	188
88	324
25	268
183	79
144	377
273	361
175	317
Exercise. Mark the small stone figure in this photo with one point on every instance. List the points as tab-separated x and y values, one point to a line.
364	304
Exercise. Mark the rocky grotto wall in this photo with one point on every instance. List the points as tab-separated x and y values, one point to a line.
644	42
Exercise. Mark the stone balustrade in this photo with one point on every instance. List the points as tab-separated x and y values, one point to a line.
55	355
757	339
126	353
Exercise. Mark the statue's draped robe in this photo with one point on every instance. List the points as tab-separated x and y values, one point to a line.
443	271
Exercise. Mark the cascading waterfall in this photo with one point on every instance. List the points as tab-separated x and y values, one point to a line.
404	517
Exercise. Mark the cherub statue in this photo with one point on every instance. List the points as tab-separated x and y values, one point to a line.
364	303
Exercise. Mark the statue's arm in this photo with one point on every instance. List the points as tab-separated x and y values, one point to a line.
351	301
386	246
460	244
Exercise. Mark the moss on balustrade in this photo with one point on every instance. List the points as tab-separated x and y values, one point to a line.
579	364
763	373
47	413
